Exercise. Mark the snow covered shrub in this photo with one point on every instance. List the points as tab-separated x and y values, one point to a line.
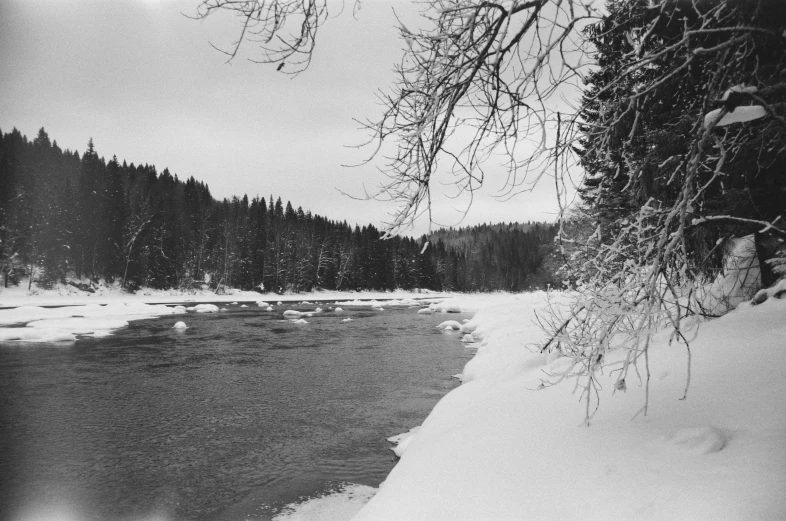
676	188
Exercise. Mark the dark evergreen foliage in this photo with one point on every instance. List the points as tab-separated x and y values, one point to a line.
65	215
636	152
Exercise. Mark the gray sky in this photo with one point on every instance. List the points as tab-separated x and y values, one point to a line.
143	81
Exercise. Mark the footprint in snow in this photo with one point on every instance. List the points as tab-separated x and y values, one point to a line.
700	440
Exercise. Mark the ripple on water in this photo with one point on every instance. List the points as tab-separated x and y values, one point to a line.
219	419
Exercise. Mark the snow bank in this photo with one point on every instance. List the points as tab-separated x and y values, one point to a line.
342	504
61	324
80	326
498	448
24	334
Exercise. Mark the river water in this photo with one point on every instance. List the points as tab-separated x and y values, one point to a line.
233	418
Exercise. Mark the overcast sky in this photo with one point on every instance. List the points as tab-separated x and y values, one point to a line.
143	81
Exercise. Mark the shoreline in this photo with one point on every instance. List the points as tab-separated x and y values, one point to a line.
61	296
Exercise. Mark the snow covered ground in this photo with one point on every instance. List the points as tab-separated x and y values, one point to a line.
499	448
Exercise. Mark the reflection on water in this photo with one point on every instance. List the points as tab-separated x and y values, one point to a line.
240	412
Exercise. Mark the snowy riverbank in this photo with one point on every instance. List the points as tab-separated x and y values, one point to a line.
497	448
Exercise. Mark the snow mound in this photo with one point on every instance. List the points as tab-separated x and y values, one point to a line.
347	320
269	308
425	311
206	308
338	310
180	325
243	306
362	303
24	334
318	310
262	304
700	440
79	326
449	324
447	306
299	321
223	309
403	440
467	339
468	327
292	313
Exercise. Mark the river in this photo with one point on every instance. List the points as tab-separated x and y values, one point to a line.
233	418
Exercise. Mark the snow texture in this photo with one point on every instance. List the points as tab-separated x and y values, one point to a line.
342	504
497	448
739	115
63	323
449	324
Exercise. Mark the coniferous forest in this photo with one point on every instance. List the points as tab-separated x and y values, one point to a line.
66	217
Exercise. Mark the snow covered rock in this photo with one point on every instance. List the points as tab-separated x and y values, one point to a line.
468	327
449	324
425	311
468	339
206	308
180	325
290	313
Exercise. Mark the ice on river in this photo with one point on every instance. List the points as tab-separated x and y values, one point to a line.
61	324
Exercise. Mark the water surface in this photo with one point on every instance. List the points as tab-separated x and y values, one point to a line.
230	419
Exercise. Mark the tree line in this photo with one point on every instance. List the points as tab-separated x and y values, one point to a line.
64	215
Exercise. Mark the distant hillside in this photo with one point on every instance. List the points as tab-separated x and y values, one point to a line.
488	257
